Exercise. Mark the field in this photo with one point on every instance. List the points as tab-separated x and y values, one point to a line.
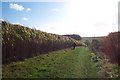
54	39
31	53
66	63
91	38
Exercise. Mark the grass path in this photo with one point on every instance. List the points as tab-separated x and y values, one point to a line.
65	63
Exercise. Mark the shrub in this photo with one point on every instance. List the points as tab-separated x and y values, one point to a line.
20	42
110	47
95	45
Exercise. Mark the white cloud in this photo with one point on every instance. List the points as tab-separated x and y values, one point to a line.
28	9
58	28
16	7
85	17
92	17
25	19
55	10
2	20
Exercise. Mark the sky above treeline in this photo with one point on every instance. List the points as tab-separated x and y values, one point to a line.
83	17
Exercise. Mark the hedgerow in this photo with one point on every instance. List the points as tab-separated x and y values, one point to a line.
20	42
110	47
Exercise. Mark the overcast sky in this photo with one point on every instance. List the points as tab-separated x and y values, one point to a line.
83	17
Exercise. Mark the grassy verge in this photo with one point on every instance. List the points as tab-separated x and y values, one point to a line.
65	63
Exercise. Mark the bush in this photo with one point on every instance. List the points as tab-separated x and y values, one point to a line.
109	70
95	45
20	42
110	47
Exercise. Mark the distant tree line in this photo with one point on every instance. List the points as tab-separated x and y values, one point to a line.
21	42
74	36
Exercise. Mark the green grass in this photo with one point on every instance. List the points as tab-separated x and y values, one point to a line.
65	63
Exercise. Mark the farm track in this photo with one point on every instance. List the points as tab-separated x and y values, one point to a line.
66	63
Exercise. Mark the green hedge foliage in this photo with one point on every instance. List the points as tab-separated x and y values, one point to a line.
21	42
